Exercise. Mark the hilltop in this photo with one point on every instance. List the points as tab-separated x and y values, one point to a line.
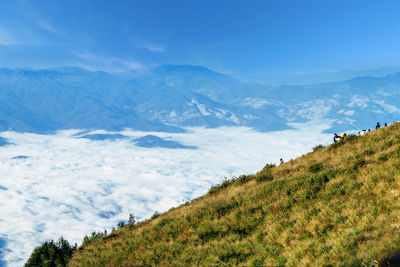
338	205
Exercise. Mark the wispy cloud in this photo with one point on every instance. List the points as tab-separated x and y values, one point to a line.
387	107
155	47
150	46
113	64
46	25
70	186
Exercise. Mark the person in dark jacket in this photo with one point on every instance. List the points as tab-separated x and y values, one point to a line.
377	125
336	138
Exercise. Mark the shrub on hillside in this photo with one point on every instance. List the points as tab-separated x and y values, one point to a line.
93	236
269	166
218	187
264	175
369	152
51	253
351	137
383	157
388	144
242	179
359	163
315	167
222	207
207	231
155	215
121	224
318	147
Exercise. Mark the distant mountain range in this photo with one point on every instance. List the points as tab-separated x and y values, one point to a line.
304	78
170	97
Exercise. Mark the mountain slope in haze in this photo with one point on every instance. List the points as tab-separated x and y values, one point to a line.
352	104
163	99
48	100
169	98
338	205
305	78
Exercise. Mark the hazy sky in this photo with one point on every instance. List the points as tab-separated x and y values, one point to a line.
237	37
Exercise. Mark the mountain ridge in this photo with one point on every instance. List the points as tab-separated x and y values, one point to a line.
170	98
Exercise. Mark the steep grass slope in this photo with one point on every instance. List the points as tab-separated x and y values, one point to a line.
338	205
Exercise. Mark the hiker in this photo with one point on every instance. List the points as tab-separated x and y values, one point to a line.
386	124
377	126
281	160
369	130
363	132
336	138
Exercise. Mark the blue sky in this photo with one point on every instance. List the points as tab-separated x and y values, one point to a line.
236	37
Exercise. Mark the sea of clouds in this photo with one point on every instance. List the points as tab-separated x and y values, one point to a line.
61	185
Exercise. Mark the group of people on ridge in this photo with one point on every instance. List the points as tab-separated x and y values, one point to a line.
342	136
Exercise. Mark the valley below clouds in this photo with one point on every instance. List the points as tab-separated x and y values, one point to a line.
64	185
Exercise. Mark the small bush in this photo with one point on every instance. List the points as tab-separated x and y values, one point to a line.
312	192
387	144
121	224
315	167
222	207
263	176
357	186
336	145
351	137
383	157
155	215
94	236
162	223
258	262
318	179
214	190
358	164
207	232
368	152
318	147
269	166
218	187
242	179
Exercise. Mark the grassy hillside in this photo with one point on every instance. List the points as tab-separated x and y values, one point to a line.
338	205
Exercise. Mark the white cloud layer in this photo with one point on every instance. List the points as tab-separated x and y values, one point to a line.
69	186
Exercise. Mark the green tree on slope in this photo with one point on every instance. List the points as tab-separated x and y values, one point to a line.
51	254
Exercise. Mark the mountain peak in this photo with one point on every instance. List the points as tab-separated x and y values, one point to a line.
175	69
